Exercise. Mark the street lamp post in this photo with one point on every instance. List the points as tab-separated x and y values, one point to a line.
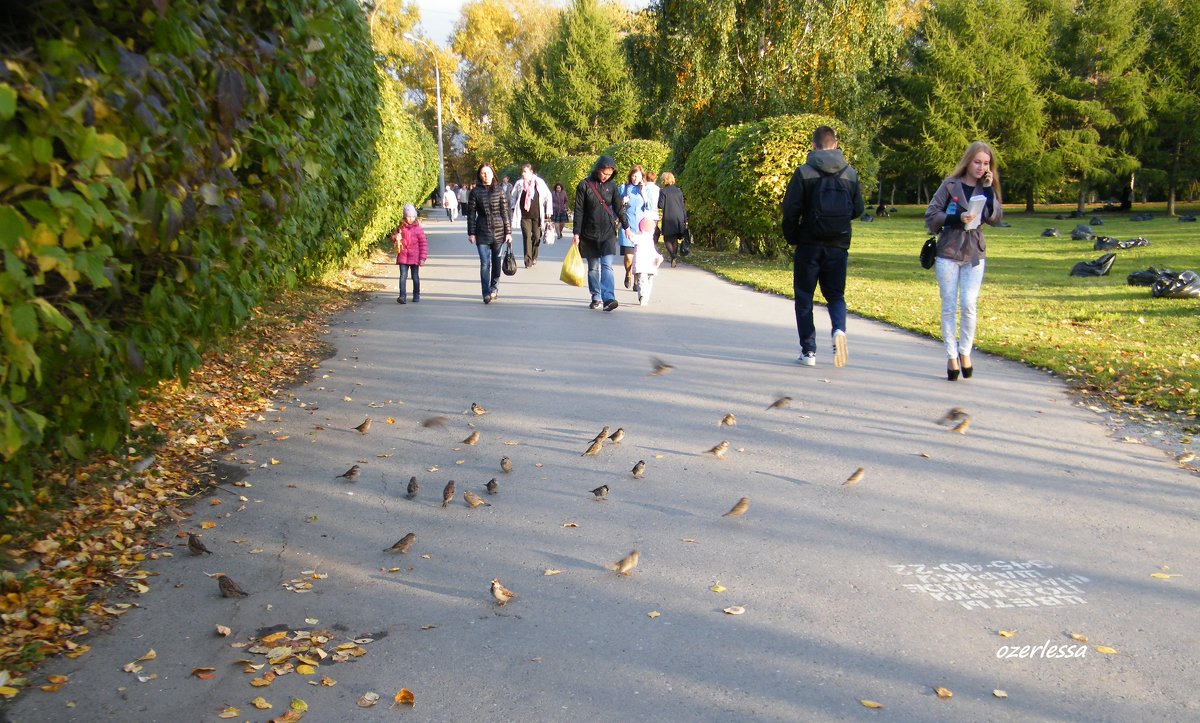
437	73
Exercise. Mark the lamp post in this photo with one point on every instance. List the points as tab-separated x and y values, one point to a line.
437	73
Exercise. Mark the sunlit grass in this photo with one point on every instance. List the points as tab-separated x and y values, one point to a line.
1099	333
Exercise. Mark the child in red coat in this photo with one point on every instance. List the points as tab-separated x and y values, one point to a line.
411	251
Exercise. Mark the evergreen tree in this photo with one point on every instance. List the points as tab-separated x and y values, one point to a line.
1173	64
580	97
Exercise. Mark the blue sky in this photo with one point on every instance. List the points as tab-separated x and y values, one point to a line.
439	16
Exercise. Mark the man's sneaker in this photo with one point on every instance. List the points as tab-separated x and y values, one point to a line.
840	354
808	359
610	305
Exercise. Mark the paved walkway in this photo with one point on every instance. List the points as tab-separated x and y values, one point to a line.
1035	521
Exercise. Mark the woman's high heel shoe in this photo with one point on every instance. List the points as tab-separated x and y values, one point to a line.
951	372
967	369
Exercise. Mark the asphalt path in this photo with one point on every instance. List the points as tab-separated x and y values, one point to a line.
1037	522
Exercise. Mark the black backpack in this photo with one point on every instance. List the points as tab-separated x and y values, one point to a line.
830	207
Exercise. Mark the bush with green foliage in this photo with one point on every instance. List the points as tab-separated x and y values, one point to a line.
652	155
568	171
735	178
165	166
406	167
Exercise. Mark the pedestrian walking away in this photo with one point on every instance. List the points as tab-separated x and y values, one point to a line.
822	199
674	216
532	207
488	228
450	203
969	196
560	209
411	251
597	211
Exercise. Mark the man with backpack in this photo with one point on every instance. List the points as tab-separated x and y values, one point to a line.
822	199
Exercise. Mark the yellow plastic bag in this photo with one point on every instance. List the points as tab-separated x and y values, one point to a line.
574	268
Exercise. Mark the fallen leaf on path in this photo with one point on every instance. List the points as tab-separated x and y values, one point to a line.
688	541
735	610
1079	638
207	525
327	681
548	572
943	693
1000	693
405	697
305	669
390	420
224	631
214	502
229	712
570	524
1165	575
260	703
1104	649
653	614
204	673
718	588
1007	633
367	700
870	704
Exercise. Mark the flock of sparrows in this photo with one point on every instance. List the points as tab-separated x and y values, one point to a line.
959	419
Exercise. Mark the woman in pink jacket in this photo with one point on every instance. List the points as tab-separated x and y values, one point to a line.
411	251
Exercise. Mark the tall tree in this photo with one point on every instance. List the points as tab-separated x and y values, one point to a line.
719	62
972	72
1173	63
495	40
580	97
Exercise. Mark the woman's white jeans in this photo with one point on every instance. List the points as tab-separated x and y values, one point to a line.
959	285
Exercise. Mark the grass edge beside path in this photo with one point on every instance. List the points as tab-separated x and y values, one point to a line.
1099	335
72	564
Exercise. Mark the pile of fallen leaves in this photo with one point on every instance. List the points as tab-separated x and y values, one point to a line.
59	564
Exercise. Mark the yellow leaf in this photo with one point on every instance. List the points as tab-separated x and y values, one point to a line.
314	518
570	524
405	697
1164	575
869	703
268	639
150	655
347	399
260	682
1007	633
57	679
8	691
718	588
391	420
260	703
207	525
1000	693
327	681
229	712
1104	649
298	705
1079	638
367	700
548	571
305	669
653	614
274	461
943	693
214	502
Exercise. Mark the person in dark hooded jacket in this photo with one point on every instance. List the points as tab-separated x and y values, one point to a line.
597	210
822	199
489	227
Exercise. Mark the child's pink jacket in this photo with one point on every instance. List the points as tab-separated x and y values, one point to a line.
414	249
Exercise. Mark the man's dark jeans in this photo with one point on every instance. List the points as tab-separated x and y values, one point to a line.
814	265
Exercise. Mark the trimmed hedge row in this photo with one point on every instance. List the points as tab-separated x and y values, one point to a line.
568	171
652	155
165	165
735	178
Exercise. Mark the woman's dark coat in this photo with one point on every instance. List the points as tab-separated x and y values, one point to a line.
487	215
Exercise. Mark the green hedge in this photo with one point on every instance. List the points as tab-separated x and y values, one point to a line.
568	171
735	178
652	155
166	165
406	167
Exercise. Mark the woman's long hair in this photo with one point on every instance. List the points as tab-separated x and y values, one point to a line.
972	151
479	175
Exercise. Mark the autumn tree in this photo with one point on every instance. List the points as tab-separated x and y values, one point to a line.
496	40
580	96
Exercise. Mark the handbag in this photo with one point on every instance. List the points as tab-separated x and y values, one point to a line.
510	262
548	235
928	252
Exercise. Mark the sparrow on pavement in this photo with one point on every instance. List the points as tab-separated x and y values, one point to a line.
625	565
601	492
196	546
639	469
719	450
448	493
856	477
478	410
493	487
228	587
365	426
739	509
505	465
403	545
658	367
412	487
617	436
473	438
473	500
729	420
501	593
351	474
594	449
955	415
780	403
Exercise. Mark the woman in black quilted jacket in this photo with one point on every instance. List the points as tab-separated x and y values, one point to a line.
489	227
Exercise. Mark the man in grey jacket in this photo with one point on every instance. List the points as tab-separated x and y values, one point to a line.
822	199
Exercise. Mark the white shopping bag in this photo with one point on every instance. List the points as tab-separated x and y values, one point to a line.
548	236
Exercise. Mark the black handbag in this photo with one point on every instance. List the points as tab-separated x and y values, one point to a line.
510	262
929	252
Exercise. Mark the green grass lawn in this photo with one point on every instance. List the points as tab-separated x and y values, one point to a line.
1098	333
